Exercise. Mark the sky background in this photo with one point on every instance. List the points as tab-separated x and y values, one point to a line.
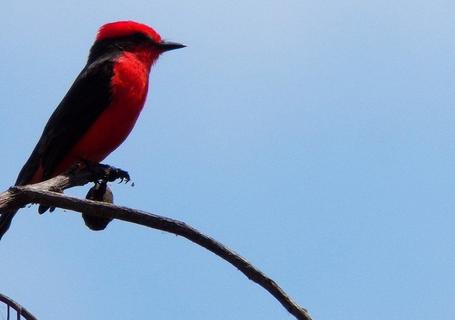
315	138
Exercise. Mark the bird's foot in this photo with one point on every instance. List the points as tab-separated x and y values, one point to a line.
104	172
113	173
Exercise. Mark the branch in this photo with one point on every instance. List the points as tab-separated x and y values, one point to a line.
44	194
10	303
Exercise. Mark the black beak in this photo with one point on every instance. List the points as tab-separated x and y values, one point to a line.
168	45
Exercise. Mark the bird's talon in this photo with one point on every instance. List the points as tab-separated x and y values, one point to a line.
108	173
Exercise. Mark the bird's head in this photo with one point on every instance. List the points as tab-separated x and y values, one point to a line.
131	36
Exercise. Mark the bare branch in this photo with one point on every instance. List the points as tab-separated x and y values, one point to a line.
16	306
44	194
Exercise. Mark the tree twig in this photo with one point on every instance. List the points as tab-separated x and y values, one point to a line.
44	194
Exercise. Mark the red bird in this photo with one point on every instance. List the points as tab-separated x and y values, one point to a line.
101	107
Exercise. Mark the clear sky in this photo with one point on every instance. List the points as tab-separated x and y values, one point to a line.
315	138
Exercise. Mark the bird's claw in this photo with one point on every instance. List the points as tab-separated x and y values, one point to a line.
113	174
105	172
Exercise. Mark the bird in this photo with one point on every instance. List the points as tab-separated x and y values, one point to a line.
101	107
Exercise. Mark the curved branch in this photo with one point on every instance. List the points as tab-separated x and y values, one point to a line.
42	193
16	306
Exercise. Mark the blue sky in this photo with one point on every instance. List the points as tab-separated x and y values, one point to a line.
314	138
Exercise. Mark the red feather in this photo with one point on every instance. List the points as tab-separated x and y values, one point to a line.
126	28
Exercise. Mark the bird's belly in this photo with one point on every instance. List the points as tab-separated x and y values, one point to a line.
103	137
107	133
129	90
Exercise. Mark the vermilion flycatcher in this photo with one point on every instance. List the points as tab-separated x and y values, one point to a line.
101	107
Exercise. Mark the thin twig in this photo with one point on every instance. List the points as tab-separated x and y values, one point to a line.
19	196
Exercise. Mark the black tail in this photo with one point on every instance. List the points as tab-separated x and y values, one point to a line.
5	221
26	174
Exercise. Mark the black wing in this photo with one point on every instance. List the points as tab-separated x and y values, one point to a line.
85	101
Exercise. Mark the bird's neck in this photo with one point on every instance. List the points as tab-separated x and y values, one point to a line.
130	77
145	56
